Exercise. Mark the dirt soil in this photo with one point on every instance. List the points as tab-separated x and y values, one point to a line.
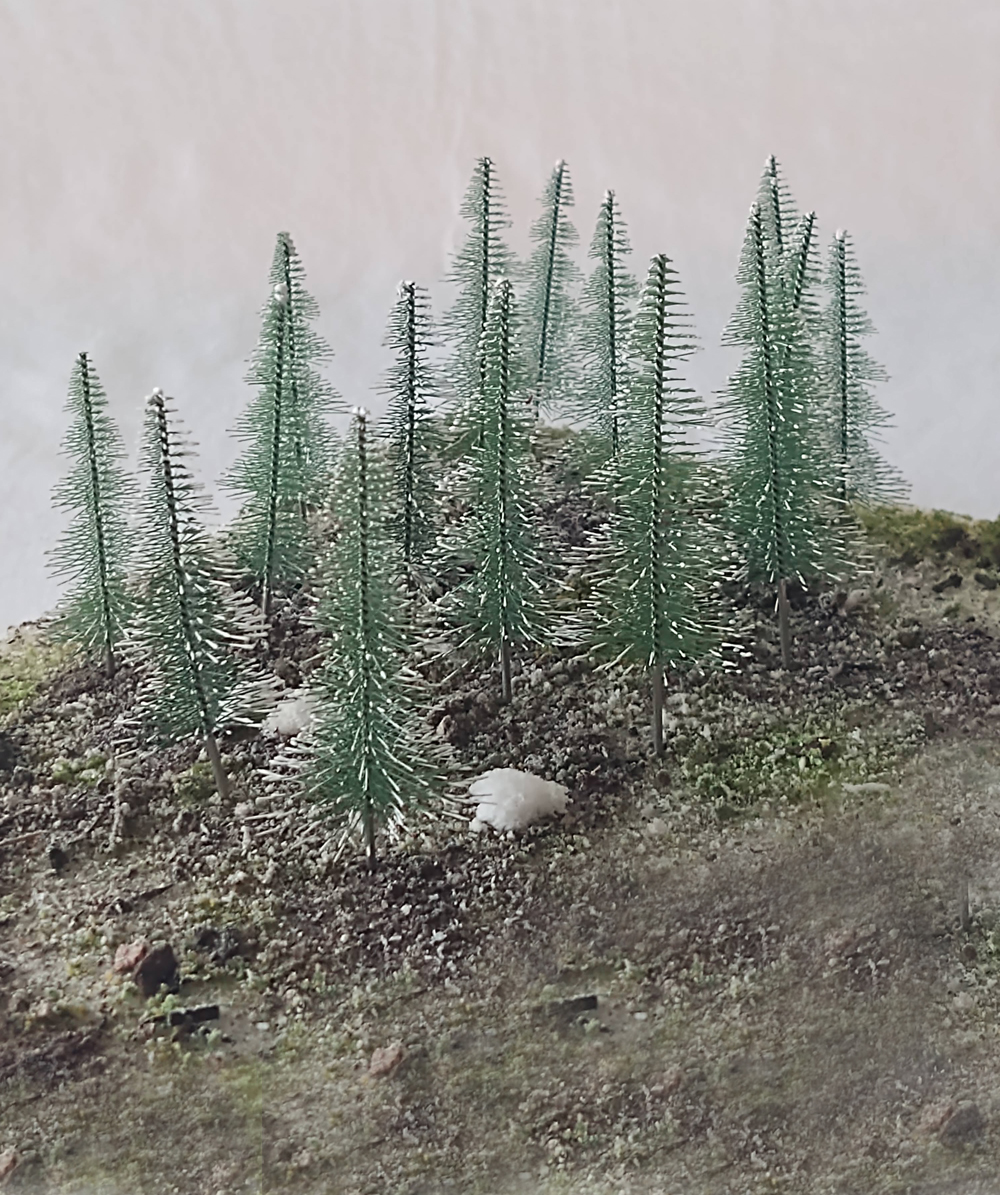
766	962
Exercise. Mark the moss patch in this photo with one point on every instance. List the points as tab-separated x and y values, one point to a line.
911	535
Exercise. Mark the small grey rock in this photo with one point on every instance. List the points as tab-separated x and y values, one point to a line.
965	1122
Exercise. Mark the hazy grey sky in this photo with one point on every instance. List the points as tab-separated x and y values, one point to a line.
152	149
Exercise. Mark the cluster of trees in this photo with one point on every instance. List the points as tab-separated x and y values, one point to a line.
464	401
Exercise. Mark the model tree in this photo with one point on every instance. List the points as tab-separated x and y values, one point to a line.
849	374
366	758
483	258
93	552
503	603
653	603
190	628
551	277
412	434
283	469
605	327
780	513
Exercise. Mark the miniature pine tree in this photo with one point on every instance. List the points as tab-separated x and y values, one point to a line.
366	759
503	603
780	512
551	277
605	328
483	258
94	550
652	600
413	438
283	468
849	373
189	623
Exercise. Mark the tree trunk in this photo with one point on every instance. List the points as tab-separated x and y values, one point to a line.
265	598
109	662
657	708
505	684
218	771
783	629
370	839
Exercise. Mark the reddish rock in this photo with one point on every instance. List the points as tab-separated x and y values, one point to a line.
156	967
129	955
386	1058
9	1160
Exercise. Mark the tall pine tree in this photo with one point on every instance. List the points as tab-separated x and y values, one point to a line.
780	513
94	551
367	759
849	374
605	328
412	430
504	603
657	559
482	259
551	277
284	466
190	629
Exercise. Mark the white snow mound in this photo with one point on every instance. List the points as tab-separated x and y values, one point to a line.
512	800
292	715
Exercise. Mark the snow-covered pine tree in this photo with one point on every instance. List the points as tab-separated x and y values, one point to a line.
656	560
605	327
285	463
849	374
367	759
190	626
776	436
503	604
483	258
94	550
551	278
413	437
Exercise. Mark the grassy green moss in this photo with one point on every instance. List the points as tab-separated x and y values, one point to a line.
26	662
911	535
795	760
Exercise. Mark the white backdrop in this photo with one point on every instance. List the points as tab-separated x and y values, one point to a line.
151	149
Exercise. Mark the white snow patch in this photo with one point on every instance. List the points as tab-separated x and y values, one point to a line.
512	800
292	715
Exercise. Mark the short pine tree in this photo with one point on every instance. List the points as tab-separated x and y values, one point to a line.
780	512
849	373
367	759
190	627
656	560
413	436
605	328
93	553
503	604
551	279
283	469
483	258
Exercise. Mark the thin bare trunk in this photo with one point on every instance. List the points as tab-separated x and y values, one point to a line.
657	708
370	839
218	771
109	661
505	683
783	628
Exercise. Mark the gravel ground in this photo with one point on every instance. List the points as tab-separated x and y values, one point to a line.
765	961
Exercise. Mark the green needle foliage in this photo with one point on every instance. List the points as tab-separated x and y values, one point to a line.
503	603
551	278
93	553
283	469
780	513
849	373
483	258
367	760
653	602
605	328
190	627
413	438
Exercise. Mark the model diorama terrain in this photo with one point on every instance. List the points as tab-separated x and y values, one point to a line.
497	806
